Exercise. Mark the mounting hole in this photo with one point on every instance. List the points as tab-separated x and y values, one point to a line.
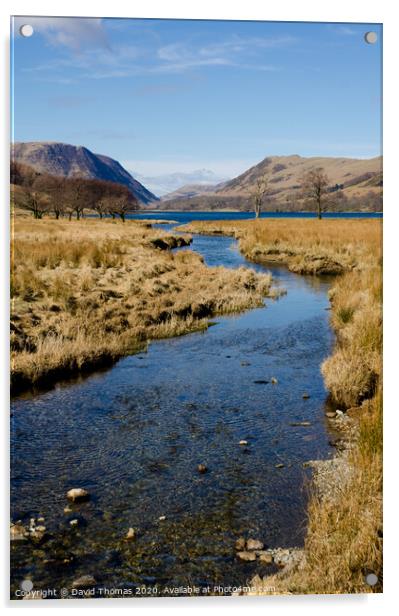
26	30
371	579
371	37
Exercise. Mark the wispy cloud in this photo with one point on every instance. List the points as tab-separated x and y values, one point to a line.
70	32
182	56
86	53
344	30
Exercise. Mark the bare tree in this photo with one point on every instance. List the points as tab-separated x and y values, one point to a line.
315	188
76	197
121	202
55	188
33	201
27	192
259	193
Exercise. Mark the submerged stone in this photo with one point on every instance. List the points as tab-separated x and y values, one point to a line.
84	581
254	544
247	556
240	544
77	495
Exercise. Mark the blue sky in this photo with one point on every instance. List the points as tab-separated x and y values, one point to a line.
167	95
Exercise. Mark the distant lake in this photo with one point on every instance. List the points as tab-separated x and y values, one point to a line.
185	217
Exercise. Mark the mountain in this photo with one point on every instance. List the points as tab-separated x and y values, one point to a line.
191	190
165	184
77	161
357	183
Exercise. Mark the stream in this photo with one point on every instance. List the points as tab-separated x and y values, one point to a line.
133	435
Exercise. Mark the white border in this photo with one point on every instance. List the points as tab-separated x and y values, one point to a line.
286	10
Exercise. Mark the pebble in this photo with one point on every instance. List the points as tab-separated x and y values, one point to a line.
281	557
37	535
77	495
131	534
339	413
254	544
240	544
247	556
265	557
17	532
84	581
202	468
331	414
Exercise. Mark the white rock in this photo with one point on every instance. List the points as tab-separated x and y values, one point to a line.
77	494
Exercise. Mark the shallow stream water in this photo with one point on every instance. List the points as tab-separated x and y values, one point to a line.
134	435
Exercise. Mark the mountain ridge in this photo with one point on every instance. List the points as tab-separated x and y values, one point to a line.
64	159
357	183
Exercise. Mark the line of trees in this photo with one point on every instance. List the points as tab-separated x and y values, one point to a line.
44	194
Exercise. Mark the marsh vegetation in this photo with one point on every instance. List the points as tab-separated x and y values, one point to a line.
87	292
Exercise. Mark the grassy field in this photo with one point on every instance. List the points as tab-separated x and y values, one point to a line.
344	538
86	292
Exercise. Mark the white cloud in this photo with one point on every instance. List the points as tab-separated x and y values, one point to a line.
71	32
89	55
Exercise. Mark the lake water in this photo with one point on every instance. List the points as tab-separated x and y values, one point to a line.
186	217
133	436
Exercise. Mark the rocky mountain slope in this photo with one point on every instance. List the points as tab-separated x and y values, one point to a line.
67	160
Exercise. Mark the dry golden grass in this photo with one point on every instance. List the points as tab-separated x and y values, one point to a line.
307	246
85	293
344	538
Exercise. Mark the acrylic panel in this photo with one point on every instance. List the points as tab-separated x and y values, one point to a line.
196	215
